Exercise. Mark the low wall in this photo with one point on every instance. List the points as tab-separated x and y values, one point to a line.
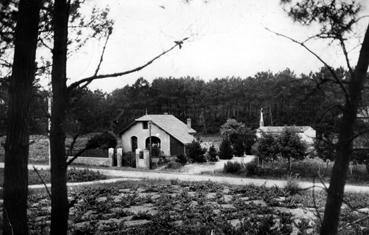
93	161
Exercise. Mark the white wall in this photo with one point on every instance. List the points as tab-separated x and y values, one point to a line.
142	134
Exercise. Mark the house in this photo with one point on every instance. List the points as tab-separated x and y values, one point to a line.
168	134
306	133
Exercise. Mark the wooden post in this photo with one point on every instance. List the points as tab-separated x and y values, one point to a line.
150	141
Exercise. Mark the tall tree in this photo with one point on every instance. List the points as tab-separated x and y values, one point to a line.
20	95
59	199
337	19
61	97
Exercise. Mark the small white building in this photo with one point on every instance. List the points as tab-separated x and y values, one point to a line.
167	132
306	133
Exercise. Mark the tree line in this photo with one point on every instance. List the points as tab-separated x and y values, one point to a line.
287	99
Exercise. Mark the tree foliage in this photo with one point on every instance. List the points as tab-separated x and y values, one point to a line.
290	146
267	147
195	152
225	149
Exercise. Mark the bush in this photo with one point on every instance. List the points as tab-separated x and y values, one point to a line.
195	152
266	147
182	159
225	149
233	167
77	175
252	169
174	165
240	136
103	140
213	154
292	187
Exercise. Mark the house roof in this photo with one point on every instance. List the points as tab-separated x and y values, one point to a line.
279	129
170	124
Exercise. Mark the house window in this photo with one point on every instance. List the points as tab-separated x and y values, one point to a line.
145	125
134	143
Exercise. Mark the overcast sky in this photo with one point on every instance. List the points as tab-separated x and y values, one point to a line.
227	38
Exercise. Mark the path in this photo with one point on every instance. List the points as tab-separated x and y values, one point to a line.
123	175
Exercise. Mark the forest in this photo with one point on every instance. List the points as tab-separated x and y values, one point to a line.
287	99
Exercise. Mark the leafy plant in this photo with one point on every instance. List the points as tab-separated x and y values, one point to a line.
225	149
182	159
292	186
195	152
213	154
233	167
266	147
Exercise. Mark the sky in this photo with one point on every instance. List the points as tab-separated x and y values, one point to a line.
227	38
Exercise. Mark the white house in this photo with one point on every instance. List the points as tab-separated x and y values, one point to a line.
167	132
306	133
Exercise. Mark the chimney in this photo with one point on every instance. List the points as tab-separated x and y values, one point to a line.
261	123
189	123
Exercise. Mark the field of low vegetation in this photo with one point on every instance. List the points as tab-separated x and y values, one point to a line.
173	207
73	174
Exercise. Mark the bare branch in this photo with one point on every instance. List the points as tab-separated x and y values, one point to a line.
42	180
330	68
44	43
80	152
101	59
92	78
71	147
345	53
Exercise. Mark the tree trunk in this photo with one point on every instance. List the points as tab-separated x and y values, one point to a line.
17	141
59	200
344	149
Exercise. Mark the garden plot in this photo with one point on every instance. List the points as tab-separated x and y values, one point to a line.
163	207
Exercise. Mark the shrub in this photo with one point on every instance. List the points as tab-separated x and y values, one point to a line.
77	175
292	187
252	169
174	165
225	149
195	152
240	136
103	140
233	167
182	159
266	147
212	153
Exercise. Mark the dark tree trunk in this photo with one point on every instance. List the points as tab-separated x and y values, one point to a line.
344	150
20	95
59	200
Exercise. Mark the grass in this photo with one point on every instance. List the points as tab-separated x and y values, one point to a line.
305	170
74	175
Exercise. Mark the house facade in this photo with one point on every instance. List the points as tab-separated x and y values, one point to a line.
168	134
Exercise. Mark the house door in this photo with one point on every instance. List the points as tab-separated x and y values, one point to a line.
155	145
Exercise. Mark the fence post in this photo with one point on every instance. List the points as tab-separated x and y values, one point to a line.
111	156
119	157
